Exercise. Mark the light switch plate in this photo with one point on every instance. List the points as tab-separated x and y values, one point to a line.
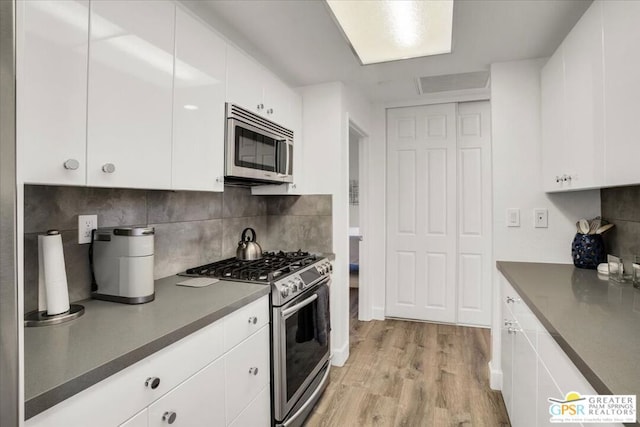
513	217
540	218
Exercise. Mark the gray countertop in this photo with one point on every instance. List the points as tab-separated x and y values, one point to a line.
62	360
596	322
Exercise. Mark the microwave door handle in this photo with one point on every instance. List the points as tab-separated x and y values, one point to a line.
286	147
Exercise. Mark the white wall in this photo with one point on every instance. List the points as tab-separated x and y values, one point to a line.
517	182
327	110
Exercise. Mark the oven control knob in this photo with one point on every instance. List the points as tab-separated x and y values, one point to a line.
300	283
284	291
291	285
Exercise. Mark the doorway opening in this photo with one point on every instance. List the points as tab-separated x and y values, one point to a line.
357	210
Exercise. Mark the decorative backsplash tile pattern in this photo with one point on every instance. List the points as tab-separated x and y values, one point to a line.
192	228
621	206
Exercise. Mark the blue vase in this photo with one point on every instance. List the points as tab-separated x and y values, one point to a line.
587	250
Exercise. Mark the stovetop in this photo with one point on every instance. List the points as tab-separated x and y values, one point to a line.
272	266
289	273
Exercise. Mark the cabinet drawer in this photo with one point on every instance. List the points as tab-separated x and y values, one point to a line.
526	320
120	396
141	419
199	401
258	413
245	321
246	370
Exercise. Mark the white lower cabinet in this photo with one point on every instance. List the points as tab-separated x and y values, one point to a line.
141	419
534	367
194	382
199	401
258	413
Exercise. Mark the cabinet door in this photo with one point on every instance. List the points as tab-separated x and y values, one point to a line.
258	413
245	79
246	372
506	356
523	404
277	101
199	401
583	68
141	419
198	106
622	89
553	123
130	94
52	55
546	388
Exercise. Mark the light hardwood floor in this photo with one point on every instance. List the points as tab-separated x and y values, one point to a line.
417	374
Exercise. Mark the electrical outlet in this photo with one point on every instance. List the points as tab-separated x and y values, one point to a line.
540	218
86	223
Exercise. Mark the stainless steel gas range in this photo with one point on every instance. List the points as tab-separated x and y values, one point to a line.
300	346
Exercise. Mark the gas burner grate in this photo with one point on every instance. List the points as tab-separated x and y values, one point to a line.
270	267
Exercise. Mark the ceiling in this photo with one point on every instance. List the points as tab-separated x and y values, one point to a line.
300	42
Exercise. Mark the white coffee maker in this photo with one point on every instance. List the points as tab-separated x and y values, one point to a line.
122	264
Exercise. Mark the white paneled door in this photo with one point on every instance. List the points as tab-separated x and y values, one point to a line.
438	213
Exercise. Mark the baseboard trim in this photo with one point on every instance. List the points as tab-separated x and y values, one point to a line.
377	313
339	356
495	378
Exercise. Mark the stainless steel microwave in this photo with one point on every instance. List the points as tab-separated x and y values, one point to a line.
257	150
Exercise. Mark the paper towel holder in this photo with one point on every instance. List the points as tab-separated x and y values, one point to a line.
41	318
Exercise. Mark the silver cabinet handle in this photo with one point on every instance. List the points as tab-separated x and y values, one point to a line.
220	179
511	330
509	322
152	382
253	320
253	371
71	164
260	106
270	111
512	300
108	168
558	179
169	417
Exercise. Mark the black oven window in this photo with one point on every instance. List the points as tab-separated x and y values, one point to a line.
303	350
254	150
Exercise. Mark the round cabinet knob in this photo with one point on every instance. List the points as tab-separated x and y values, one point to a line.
260	106
253	371
108	168
169	417
152	382
71	164
270	111
253	320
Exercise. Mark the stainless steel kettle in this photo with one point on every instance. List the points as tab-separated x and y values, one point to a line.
248	248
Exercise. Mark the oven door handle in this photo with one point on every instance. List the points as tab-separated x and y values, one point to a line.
289	311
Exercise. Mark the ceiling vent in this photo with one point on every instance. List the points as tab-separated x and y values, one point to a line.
449	82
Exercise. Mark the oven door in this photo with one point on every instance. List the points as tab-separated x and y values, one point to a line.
298	356
254	153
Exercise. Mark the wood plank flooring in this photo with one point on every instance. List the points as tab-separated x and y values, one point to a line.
411	374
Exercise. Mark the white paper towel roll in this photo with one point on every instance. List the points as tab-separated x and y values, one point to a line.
52	277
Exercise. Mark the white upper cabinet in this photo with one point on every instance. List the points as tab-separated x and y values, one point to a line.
198	106
622	91
253	87
553	123
572	109
130	94
52	49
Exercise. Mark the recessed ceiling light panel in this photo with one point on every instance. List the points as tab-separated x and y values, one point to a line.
388	30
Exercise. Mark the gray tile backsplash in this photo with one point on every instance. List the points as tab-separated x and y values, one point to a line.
192	228
621	206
